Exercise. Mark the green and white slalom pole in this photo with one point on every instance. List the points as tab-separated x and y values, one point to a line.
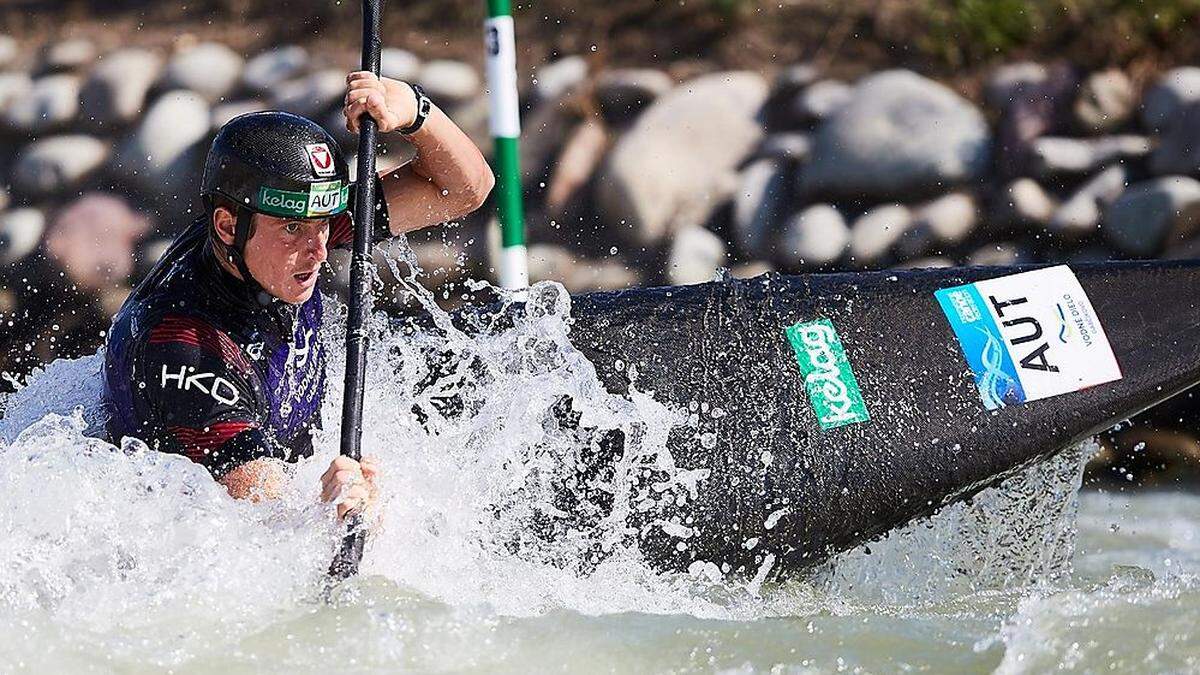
499	43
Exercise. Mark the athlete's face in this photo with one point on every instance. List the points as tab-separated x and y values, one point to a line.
285	255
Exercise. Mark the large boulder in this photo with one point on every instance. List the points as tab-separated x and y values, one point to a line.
687	143
274	67
759	206
449	83
696	253
313	95
1150	215
162	156
1173	90
51	103
623	93
818	235
901	134
210	69
57	164
1106	101
20	232
115	92
93	240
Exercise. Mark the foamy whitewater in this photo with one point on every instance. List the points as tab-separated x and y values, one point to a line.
126	560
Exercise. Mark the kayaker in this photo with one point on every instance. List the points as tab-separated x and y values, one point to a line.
215	355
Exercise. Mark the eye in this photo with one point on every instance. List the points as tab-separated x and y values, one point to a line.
292	227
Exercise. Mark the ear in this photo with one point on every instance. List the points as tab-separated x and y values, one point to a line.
224	223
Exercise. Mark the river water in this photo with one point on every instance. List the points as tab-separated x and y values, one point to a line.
124	560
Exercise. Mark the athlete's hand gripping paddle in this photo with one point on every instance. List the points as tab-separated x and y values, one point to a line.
346	562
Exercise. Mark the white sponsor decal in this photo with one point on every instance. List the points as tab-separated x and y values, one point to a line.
321	159
1048	338
220	389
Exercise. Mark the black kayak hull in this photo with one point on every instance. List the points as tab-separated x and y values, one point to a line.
779	484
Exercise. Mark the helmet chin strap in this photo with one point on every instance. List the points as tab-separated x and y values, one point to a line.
237	253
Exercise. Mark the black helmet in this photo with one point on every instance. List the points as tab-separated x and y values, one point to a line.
279	164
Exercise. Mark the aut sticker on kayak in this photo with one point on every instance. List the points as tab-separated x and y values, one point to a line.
832	390
1029	336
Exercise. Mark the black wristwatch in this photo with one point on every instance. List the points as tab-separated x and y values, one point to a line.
424	105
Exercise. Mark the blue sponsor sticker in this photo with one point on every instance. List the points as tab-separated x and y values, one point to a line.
979	336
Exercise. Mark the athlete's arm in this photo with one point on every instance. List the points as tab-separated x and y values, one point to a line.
449	177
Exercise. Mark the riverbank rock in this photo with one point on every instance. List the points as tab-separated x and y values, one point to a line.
901	134
449	83
695	256
1009	81
224	112
559	78
13	86
73	54
759	206
577	274
159	156
1173	90
93	240
1055	156
786	146
115	92
582	153
621	94
57	164
1150	215
877	232
818	235
313	95
20	232
399	64
819	101
1178	150
52	102
1079	215
9	50
209	68
665	168
1106	101
271	68
945	221
1023	202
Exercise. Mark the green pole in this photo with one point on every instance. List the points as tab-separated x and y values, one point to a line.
499	44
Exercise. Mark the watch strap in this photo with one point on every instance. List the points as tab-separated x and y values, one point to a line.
424	106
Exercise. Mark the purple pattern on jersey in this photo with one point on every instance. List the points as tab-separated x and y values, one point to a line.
296	374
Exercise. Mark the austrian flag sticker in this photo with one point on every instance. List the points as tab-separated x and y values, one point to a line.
321	159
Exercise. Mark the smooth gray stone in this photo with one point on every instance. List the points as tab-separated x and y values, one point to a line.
73	54
57	164
696	254
669	169
158	156
623	93
817	235
559	78
449	83
786	147
758	206
901	135
874	235
272	68
1055	156
312	95
1079	215
1175	89
1024	202
20	233
8	51
1004	84
210	69
51	103
399	64
1105	102
115	91
819	101
1149	215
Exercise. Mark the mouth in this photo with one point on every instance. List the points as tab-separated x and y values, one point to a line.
305	278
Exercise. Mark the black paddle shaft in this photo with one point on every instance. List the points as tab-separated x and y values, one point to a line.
346	562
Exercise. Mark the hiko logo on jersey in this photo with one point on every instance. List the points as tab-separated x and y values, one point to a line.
322	199
220	389
832	389
320	158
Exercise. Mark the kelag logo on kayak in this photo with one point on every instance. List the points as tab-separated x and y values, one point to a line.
1029	336
832	389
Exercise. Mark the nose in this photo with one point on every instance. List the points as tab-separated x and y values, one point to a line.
314	247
